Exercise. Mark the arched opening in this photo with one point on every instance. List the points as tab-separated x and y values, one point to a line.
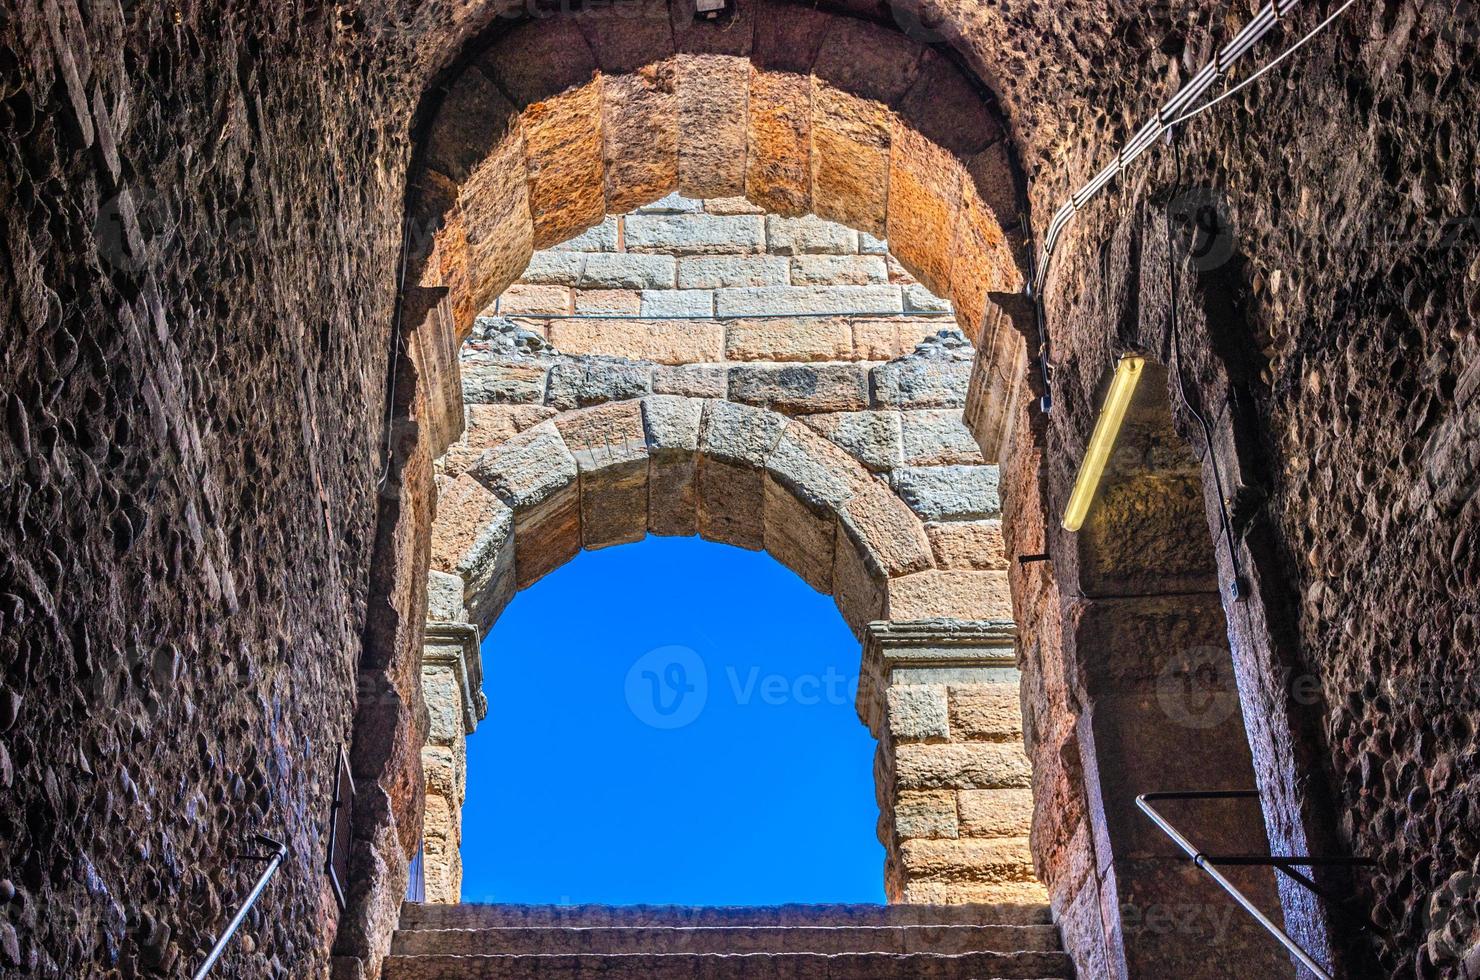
670	722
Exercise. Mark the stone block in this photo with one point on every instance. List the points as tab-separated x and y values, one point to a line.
876	339
677	302
924	195
535	61
626	270
947	108
614	502
838	270
858	588
799	537
713	99
886	532
996	812
694	234
739	433
494	207
961	765
562	145
472	540
991	712
673	203
732	205
528	469
800	388
731	503
918	299
658	341
547	536
625	36
784	339
918	382
640	127
868	60
720	271
605	435
672	426
937	437
555	268
968	545
778	171
926	814
445	595
522	298
982	263
915	330
950	493
792	300
503	381
872	438
692	380
808	235
918	712
936	594
489	425
968	859
818	473
578	382
850	158
598	238
869	245
606	302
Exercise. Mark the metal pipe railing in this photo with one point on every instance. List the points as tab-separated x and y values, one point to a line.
1208	862
274	861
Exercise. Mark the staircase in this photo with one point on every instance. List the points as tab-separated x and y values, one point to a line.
796	942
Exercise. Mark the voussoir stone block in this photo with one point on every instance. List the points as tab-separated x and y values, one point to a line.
494	206
924	195
886	532
950	493
937	594
947	108
713	98
672	426
562	143
818	473
858	586
961	765
538	60
472	539
868	60
798	536
528	469
735	433
778	169
872	438
640	126
731	503
850	155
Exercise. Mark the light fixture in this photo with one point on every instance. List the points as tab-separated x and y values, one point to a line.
1127	374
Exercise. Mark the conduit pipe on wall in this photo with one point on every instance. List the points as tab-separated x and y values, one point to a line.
1179	109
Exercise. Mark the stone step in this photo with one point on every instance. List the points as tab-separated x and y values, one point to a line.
728	939
416	915
742	966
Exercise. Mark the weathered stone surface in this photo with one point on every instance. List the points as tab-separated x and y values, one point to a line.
445	597
950	493
918	712
672	426
547	300
609	302
800	388
799	537
555	267
699	234
986	711
528	469
598	238
563	150
778	172
924	194
625	270
471	538
995	812
740	434
716	271
489	425
817	472
692	380
866	59
792	300
937	437
936	594
872	438
535	61
808	234
858	586
591	380
850	153
945	107
731	503
848	270
926	813
1003	859
911	382
961	765
678	302
968	544
639	128
714	94
781	339
659	341
886	532
487	381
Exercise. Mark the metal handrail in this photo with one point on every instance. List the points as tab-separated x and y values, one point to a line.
274	861
1207	862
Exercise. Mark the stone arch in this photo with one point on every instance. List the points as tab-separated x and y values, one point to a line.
560	120
939	684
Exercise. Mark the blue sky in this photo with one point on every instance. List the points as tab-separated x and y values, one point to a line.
671	721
